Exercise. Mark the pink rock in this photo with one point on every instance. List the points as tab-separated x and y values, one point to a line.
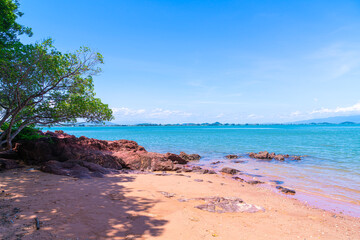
118	154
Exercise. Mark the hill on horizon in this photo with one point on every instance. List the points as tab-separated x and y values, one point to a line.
336	120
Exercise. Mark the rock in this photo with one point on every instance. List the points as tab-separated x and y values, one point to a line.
168	195
232	156
74	168
260	155
279	157
204	171
198	180
189	157
238	179
238	161
224	205
6	164
228	170
216	162
175	158
266	155
286	190
187	170
118	154
253	182
9	154
211	172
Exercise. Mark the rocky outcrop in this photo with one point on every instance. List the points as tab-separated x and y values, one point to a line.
268	156
189	157
61	147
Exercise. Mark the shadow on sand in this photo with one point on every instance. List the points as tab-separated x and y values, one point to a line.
76	209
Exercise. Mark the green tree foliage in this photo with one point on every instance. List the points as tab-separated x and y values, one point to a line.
41	85
9	28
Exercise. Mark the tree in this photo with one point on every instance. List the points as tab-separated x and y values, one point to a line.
9	28
40	85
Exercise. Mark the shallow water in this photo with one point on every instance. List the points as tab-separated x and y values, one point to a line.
331	167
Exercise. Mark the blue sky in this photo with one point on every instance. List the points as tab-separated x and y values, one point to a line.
207	61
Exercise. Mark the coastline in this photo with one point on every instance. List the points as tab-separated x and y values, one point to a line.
147	195
311	198
132	206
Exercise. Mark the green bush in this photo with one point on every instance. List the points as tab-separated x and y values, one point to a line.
28	133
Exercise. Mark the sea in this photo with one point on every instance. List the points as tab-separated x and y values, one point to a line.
327	176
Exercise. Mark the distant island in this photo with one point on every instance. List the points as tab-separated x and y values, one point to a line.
110	124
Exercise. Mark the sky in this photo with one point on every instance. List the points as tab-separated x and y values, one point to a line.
207	61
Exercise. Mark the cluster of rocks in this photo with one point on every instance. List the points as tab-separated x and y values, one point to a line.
269	156
64	154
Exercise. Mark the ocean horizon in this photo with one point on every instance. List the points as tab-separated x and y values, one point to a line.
329	168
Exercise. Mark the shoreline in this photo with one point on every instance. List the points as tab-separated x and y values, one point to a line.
183	183
315	199
135	206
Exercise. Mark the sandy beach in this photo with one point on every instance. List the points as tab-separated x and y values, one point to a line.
146	206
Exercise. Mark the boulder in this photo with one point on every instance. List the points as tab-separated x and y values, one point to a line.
254	182
260	155
9	154
239	179
216	162
6	164
232	156
286	190
271	155
189	157
224	205
228	170
74	168
279	157
176	158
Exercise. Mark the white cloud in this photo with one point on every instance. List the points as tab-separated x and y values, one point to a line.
295	114
254	116
127	111
159	113
353	108
141	114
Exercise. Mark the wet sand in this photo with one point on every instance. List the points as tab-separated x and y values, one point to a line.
131	206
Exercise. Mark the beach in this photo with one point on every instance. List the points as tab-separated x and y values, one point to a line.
147	206
329	169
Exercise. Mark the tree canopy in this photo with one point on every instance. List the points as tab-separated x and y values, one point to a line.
41	85
9	28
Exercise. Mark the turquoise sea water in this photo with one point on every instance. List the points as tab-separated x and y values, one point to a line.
331	167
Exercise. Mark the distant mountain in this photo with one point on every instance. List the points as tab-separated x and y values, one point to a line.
332	120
